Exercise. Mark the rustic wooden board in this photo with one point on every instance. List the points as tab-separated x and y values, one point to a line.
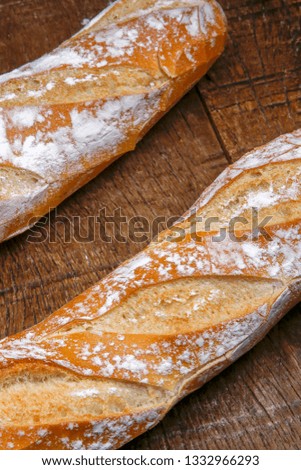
250	96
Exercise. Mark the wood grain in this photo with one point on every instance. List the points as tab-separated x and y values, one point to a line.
253	93
250	96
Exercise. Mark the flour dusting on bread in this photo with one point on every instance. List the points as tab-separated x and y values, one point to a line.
112	362
69	114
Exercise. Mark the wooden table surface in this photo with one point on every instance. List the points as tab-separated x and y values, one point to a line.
250	96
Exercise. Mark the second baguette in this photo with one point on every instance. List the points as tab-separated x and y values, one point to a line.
68	115
112	362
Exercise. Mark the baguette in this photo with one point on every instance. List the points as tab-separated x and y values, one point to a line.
111	363
67	116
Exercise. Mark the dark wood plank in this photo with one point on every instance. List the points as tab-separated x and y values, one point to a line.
29	28
256	402
253	93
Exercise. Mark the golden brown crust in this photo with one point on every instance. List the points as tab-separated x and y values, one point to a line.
164	322
68	115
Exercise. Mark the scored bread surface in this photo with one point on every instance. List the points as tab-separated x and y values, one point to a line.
69	114
111	363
